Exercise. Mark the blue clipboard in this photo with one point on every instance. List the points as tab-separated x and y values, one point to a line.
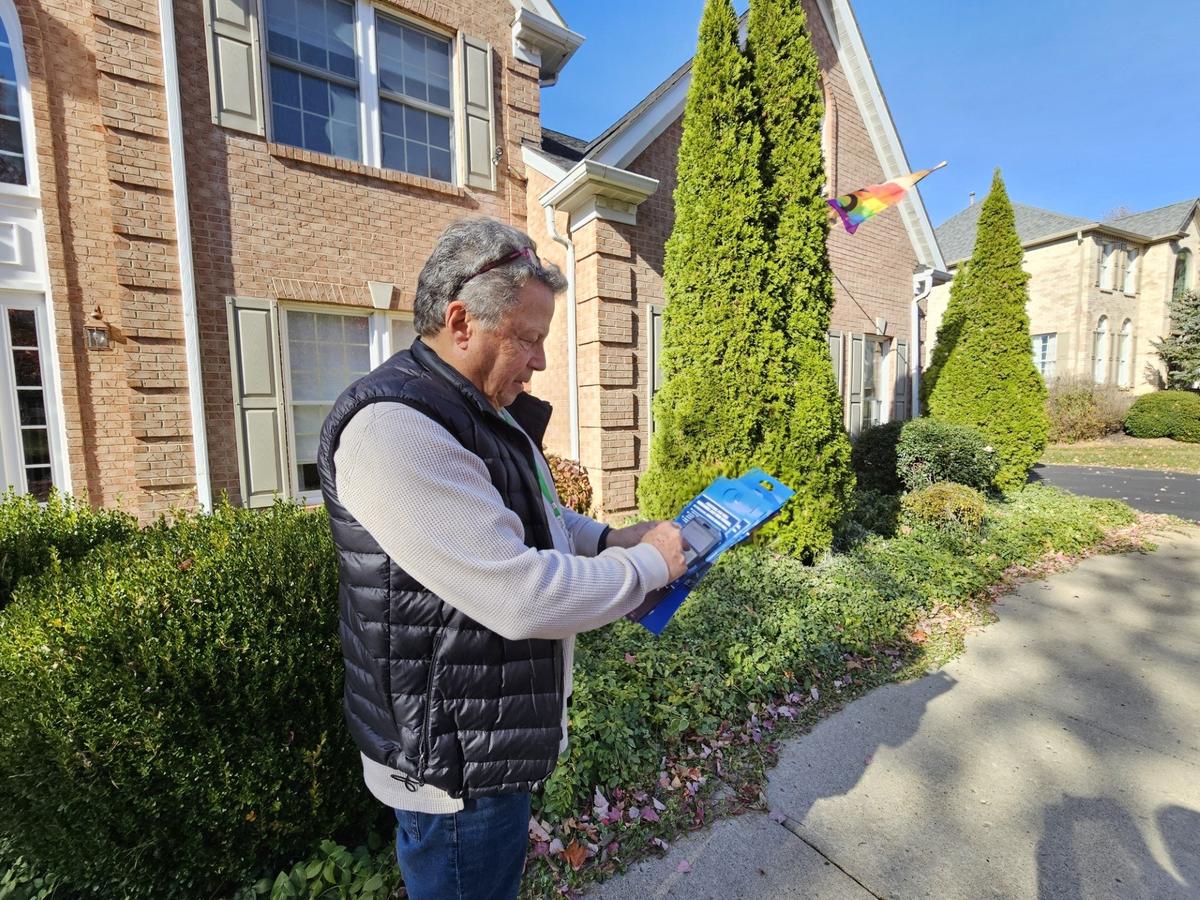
721	516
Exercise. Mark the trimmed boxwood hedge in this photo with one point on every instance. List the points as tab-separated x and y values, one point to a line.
931	450
1170	414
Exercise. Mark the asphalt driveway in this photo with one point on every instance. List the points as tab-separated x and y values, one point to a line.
1149	491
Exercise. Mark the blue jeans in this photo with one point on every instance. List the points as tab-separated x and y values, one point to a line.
475	854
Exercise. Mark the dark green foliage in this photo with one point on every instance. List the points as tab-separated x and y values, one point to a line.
748	380
874	458
33	535
1170	414
1180	350
759	616
931	451
988	379
170	707
945	505
1079	409
368	872
804	442
708	413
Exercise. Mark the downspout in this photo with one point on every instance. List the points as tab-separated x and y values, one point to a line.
572	331
183	234
922	287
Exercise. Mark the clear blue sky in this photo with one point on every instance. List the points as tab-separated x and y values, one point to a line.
1086	105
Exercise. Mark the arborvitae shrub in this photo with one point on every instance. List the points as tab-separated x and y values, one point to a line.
64	528
931	451
988	379
170	708
874	458
1171	414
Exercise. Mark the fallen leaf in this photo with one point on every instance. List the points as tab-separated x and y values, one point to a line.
575	854
659	843
630	658
600	805
659	805
538	831
556	847
684	866
778	817
185	565
649	815
919	636
814	693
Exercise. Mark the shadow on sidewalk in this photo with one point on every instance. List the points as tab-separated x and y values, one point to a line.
1092	847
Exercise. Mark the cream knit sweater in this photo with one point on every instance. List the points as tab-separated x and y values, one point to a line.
431	506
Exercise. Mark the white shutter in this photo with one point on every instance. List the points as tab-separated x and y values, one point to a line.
854	409
475	69
234	71
900	397
257	399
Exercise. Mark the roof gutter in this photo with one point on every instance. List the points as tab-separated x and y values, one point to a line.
183	234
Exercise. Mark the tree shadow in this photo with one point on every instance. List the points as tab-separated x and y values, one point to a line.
1092	847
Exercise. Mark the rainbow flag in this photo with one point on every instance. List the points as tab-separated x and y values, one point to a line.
858	206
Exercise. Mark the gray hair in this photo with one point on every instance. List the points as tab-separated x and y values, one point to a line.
450	274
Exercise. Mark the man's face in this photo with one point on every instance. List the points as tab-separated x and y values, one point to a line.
510	354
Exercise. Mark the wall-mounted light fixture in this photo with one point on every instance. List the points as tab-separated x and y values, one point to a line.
881	325
97	331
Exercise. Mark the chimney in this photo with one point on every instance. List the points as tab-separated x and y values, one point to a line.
971	199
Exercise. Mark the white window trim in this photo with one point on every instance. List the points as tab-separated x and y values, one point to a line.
379	324
50	393
1133	269
12	26
1048	360
1108	258
366	58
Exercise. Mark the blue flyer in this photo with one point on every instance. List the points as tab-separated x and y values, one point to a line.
721	516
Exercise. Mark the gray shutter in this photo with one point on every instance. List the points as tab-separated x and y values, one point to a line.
478	112
234	71
854	410
835	354
656	342
900	398
257	399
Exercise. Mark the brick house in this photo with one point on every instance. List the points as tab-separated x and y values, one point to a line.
1098	291
213	212
603	211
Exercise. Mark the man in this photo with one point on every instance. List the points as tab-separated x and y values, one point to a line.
463	581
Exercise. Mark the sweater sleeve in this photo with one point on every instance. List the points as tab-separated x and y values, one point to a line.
430	504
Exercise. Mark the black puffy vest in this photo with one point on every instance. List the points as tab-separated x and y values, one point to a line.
429	691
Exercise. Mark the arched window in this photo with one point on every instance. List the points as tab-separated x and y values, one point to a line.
1125	355
1100	352
1182	260
12	147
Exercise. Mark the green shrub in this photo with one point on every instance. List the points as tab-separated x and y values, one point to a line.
931	451
987	379
368	872
945	504
1081	410
20	881
571	482
874	458
32	534
170	707
871	513
1172	414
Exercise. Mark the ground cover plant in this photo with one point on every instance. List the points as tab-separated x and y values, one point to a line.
666	732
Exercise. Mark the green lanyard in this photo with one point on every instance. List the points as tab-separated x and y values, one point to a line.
537	470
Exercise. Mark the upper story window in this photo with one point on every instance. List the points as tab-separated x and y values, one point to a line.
1129	285
12	148
1180	285
1107	260
326	97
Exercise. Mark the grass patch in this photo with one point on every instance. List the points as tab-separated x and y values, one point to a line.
1124	452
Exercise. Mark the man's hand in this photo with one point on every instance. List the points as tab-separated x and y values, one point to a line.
667	539
629	537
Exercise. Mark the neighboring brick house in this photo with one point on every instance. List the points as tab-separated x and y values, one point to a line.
1098	291
213	212
603	210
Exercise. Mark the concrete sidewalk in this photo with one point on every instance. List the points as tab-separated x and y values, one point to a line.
1058	758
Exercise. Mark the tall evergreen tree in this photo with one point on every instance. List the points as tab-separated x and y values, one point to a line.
803	440
705	420
948	332
988	379
1180	350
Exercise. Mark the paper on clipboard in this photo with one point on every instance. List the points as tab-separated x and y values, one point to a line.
721	516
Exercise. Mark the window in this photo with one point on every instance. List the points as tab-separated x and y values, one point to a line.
874	381
1129	285
25	436
12	148
1125	355
1100	352
1106	267
1180	286
415	114
1045	355
327	97
314	76
403	334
